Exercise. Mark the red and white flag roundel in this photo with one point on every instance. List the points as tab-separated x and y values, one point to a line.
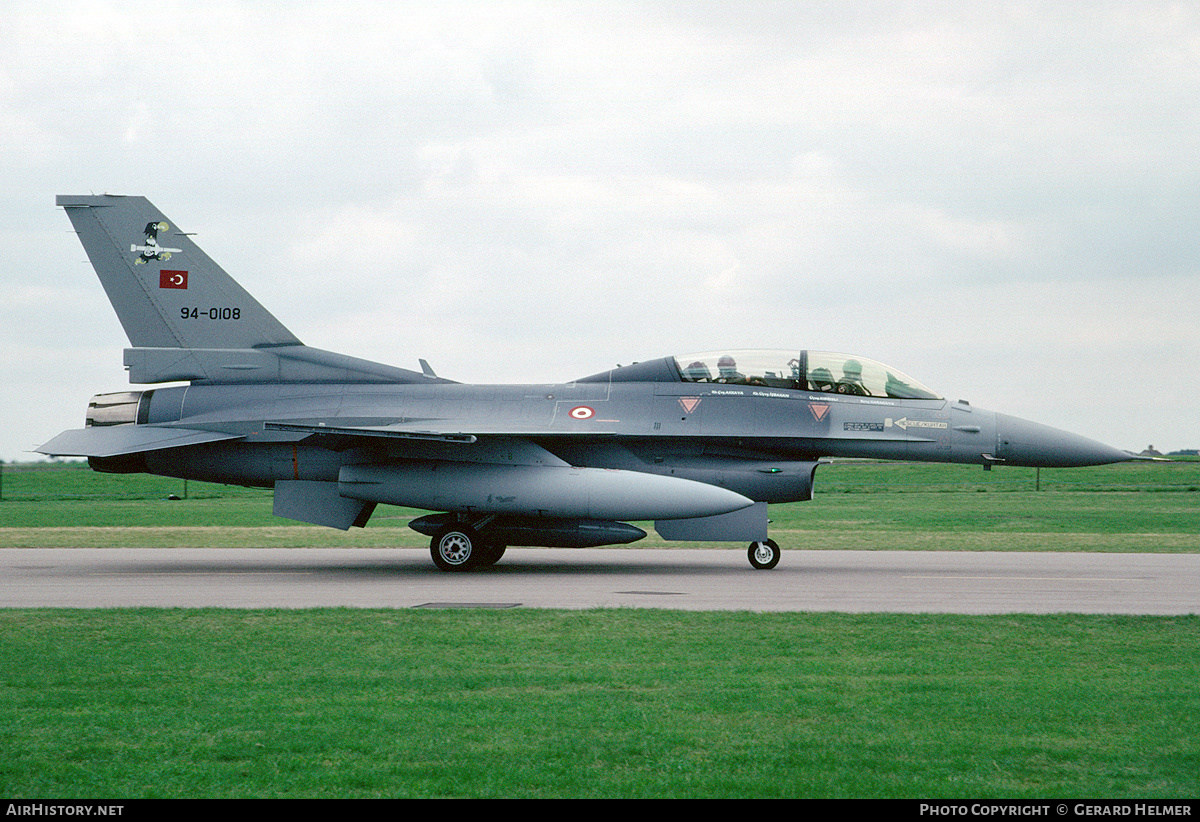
172	279
582	412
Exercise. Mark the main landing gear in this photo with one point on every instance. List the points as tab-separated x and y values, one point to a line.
460	548
764	555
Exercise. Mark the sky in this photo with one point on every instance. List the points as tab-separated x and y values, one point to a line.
1001	200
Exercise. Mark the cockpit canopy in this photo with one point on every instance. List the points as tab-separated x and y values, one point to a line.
802	370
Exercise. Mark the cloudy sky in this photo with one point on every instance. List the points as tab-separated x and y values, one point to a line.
1000	199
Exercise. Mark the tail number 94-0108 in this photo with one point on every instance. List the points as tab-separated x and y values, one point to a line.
210	313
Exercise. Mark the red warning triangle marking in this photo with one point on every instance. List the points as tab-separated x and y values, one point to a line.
819	410
689	403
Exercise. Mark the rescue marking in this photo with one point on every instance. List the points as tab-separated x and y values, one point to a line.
689	403
906	423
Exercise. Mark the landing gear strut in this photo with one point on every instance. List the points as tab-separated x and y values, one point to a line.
764	555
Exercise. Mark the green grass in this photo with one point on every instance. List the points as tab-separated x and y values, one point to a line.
361	703
609	703
858	505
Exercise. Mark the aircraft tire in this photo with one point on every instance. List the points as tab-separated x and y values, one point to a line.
456	548
490	553
764	555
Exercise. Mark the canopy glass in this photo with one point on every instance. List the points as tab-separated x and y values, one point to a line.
802	370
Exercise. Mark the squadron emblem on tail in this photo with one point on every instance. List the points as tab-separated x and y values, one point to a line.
152	250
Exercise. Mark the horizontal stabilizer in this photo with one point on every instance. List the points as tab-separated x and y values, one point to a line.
117	440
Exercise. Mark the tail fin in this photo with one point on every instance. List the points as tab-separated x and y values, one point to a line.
189	320
165	290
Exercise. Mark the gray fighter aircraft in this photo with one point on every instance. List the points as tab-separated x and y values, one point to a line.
699	443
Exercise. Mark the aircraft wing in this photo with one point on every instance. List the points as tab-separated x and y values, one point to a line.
430	434
507	445
126	439
116	440
376	431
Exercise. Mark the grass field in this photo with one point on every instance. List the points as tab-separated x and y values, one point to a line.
522	703
858	505
339	703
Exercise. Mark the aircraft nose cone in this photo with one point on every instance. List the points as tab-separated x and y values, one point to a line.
1021	442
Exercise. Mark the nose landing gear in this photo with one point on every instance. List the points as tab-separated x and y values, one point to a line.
764	555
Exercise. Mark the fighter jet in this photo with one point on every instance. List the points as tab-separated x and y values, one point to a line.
699	443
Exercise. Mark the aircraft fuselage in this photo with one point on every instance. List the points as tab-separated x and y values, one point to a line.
675	428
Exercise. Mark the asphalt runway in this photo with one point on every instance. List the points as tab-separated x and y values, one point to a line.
679	579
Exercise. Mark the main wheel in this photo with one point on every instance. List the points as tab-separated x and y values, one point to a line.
764	555
490	553
456	548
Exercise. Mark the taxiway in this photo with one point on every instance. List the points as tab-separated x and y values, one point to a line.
681	579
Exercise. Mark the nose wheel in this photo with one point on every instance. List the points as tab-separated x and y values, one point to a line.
764	555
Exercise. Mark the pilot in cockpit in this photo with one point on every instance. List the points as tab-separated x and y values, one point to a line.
821	380
697	372
727	371
851	381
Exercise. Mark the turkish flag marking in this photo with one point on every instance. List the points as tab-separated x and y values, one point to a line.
172	279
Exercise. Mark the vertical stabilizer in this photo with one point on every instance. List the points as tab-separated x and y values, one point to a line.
165	290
